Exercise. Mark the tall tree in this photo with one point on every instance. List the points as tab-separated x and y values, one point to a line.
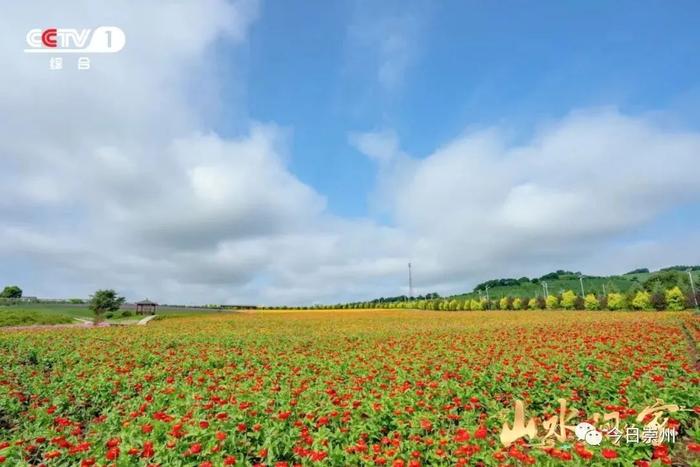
104	301
11	291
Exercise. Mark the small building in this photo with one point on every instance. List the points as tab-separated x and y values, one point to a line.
146	307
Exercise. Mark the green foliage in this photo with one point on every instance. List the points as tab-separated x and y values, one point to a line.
616	301
533	304
11	291
11	317
504	303
105	301
517	303
667	280
552	302
642	301
658	300
675	299
475	305
568	300
126	313
591	302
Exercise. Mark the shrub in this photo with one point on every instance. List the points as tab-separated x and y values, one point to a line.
658	301
642	300
603	302
616	301
591	302
568	300
517	303
504	303
533	304
675	299
475	304
552	302
126	313
109	315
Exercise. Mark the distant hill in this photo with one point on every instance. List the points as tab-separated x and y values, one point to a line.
561	280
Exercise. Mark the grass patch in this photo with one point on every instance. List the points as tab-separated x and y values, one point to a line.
19	317
63	309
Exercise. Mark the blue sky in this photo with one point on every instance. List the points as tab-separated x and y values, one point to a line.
471	64
248	151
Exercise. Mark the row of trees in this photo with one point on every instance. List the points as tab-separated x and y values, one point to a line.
673	299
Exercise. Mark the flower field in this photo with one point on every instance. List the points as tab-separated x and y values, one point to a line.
401	388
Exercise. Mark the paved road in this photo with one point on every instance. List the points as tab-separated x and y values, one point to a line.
145	320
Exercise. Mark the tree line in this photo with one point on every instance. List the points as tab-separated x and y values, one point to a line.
673	299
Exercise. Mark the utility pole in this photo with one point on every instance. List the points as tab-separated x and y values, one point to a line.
410	283
604	292
692	287
580	278
544	290
488	299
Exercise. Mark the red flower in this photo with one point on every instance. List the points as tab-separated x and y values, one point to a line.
220	435
52	454
147	450
206	464
241	427
481	432
230	460
147	428
693	447
112	453
322	421
196	448
113	442
461	435
204	424
609	453
426	425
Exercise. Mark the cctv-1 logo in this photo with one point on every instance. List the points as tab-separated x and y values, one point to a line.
104	39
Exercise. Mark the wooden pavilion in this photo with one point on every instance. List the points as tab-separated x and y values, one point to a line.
146	307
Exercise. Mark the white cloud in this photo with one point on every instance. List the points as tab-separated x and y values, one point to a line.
386	39
382	146
479	205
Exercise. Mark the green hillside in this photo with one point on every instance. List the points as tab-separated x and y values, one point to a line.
560	281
